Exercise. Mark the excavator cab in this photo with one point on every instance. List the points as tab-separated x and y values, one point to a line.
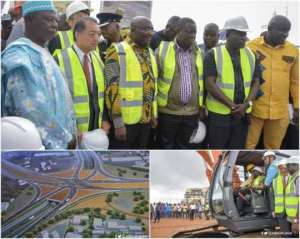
228	174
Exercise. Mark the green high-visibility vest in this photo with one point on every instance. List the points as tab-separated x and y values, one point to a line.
72	68
225	79
66	39
291	199
278	189
167	60
131	85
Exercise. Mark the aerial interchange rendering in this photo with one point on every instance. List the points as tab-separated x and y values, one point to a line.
75	194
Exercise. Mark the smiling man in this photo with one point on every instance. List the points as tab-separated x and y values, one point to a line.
33	86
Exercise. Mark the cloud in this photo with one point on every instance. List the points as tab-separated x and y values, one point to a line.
172	172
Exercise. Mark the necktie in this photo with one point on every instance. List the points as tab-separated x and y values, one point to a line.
186	77
86	70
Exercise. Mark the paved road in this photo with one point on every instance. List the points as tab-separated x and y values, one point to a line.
102	170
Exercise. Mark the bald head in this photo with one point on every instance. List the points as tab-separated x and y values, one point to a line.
280	22
139	21
278	30
141	31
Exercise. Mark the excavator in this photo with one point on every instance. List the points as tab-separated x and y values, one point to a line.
226	170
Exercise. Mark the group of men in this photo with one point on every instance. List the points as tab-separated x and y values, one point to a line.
183	210
280	180
148	90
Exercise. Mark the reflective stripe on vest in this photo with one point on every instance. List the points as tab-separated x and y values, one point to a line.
167	60
66	38
131	83
291	198
72	68
225	78
278	189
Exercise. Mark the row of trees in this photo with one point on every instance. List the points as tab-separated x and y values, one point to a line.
116	214
142	204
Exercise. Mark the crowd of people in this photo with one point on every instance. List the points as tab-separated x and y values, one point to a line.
146	89
279	180
183	210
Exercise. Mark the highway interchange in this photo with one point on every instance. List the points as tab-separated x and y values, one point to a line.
43	208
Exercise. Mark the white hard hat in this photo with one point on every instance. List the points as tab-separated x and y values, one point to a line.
293	159
74	7
198	134
237	23
259	169
282	162
94	140
19	133
269	153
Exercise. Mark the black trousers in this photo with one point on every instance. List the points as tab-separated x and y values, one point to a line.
224	132
192	214
285	225
174	131
137	137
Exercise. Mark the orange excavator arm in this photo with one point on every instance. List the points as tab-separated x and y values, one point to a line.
210	158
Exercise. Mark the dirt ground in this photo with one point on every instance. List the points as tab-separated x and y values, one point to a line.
64	174
123	185
98	177
98	201
85	173
60	196
168	227
82	193
46	189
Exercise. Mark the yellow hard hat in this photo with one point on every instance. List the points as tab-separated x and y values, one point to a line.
250	166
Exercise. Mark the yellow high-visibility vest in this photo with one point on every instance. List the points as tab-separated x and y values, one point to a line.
291	199
279	191
73	70
167	60
131	85
225	79
257	181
